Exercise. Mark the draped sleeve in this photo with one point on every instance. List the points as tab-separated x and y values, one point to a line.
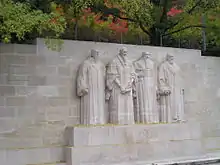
82	83
111	75
138	69
133	73
162	78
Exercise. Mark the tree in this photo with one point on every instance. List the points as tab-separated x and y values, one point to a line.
19	19
162	18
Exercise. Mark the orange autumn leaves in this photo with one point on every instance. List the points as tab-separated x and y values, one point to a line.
110	22
115	24
58	12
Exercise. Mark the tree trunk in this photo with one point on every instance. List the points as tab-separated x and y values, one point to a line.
76	31
155	38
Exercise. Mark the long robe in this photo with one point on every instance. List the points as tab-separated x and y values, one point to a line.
172	105
120	73
146	86
91	78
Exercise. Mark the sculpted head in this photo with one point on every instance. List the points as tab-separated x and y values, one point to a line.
123	51
170	58
95	54
146	55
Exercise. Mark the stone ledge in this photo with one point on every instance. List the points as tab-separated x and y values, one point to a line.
206	159
51	163
131	134
31	156
189	160
111	154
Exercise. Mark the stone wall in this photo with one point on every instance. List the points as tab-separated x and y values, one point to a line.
37	90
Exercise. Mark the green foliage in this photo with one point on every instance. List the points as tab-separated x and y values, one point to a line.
190	21
19	19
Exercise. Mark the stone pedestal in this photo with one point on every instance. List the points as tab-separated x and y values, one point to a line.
117	144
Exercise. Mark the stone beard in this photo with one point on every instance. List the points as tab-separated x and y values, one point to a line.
146	86
120	79
91	89
171	91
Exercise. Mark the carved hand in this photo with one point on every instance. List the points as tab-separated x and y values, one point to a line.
123	90
85	91
167	92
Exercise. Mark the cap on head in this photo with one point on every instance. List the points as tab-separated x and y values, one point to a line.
124	49
146	53
94	51
169	56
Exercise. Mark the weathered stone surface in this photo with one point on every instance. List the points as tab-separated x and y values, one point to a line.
50	91
32	155
7	125
21	69
57	101
2	101
133	152
8	112
24	49
14	59
15	101
107	135
7	90
64	70
201	75
36	80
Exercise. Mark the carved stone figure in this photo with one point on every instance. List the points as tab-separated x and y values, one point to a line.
91	89
120	78
146	86
170	91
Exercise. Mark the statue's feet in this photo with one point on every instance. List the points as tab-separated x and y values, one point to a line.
179	121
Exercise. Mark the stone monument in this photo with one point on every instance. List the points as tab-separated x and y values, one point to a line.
120	78
170	91
91	89
146	86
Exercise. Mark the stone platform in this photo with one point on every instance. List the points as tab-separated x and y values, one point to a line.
117	144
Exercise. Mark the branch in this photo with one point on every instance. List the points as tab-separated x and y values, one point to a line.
189	12
184	28
193	8
125	18
144	29
113	13
164	11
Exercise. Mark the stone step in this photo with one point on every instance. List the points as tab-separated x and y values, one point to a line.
195	160
110	154
128	134
51	163
24	156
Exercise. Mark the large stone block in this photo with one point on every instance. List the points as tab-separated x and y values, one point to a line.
14	59
7	90
107	154
14	80
64	71
31	155
16	101
36	80
129	134
25	49
8	112
36	60
50	91
57	101
211	144
22	69
2	101
46	70
6	48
